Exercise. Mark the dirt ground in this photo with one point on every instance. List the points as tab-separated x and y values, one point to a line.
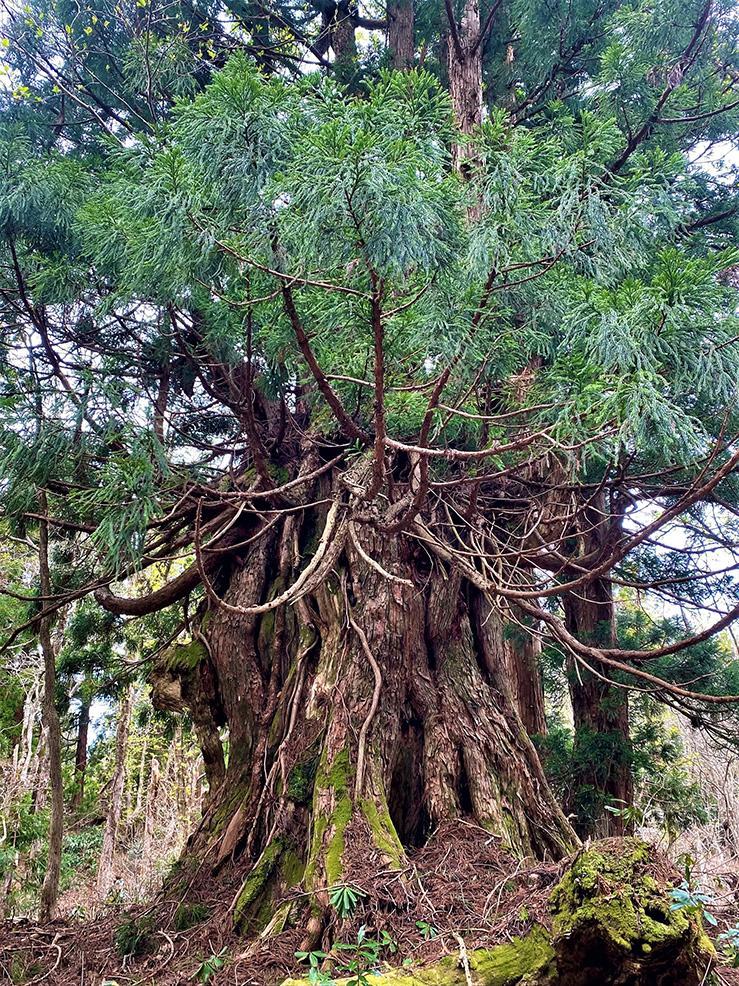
459	890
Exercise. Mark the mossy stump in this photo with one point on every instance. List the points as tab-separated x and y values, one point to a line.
609	923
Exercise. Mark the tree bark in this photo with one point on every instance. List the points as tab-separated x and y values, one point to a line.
465	80
513	659
528	690
23	754
80	756
602	762
361	718
110	835
50	888
400	34
341	29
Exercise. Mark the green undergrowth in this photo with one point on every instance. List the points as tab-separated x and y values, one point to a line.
134	937
188	915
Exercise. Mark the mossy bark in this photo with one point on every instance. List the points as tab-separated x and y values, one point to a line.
358	719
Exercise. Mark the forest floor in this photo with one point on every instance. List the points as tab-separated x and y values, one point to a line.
460	891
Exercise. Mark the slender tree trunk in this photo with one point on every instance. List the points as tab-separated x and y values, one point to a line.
112	821
25	749
80	757
41	785
465	80
50	888
17	727
180	776
528	690
141	778
400	33
602	757
150	818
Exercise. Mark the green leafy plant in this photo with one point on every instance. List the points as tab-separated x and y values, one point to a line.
687	862
210	966
688	896
354	961
345	898
363	956
428	931
315	959
690	899
631	814
730	942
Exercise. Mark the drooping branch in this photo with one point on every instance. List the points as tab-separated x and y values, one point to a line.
174	590
674	79
169	593
598	655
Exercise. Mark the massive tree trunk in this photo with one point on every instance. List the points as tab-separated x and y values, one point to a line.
360	717
602	770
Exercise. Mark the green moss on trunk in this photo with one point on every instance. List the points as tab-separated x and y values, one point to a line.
383	832
530	958
335	779
227	805
277	869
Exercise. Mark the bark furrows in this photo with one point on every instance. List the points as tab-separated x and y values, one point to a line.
368	711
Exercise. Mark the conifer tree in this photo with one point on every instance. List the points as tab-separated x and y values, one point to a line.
388	367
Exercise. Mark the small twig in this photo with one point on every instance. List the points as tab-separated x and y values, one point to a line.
463	957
